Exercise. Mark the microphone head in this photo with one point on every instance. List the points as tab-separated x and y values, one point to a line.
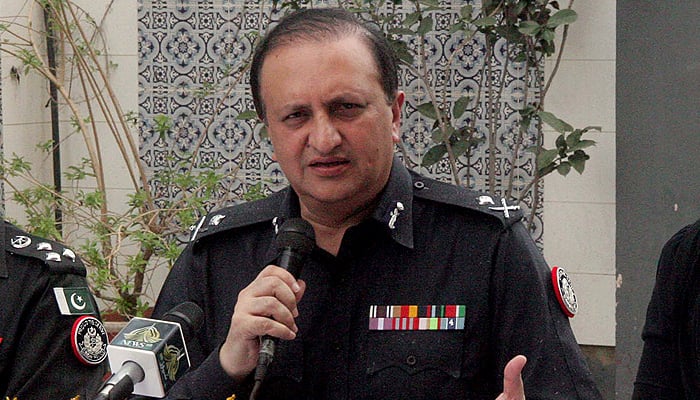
297	234
158	347
189	315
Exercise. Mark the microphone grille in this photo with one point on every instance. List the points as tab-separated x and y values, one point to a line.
297	234
188	314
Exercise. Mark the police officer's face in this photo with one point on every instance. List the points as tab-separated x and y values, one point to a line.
331	125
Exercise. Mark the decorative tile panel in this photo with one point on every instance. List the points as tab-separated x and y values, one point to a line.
190	58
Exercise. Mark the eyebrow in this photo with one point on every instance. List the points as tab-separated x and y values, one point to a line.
348	97
292	108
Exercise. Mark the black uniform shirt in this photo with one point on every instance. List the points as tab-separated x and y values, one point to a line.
37	357
429	245
670	363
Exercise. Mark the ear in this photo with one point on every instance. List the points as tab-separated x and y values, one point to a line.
396	108
267	127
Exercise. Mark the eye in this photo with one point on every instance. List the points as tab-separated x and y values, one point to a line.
347	110
295	117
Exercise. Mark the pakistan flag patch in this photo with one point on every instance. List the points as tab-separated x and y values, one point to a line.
74	300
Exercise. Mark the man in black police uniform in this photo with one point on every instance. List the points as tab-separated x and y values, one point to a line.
415	289
52	343
670	365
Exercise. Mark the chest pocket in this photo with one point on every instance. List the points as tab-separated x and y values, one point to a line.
413	353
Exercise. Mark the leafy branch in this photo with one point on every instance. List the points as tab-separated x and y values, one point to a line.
122	243
526	29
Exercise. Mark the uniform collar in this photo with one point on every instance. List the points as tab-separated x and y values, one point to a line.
3	252
395	208
288	208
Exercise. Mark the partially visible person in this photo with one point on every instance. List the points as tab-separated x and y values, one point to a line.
415	289
52	342
670	365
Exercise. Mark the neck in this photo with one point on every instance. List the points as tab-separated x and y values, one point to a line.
330	222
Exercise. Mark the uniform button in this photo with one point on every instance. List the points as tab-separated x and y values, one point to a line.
419	185
411	360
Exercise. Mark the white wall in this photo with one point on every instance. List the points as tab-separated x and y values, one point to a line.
25	104
25	108
25	115
579	210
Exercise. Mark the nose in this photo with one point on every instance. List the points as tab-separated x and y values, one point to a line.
324	136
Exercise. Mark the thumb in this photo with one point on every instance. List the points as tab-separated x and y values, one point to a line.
512	380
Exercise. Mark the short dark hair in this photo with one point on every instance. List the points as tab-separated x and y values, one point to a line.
317	24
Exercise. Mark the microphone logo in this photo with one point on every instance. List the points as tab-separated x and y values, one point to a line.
161	341
147	334
149	355
171	361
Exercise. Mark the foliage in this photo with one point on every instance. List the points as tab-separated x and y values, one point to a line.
526	28
121	243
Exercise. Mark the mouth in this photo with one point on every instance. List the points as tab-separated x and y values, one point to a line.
328	164
329	167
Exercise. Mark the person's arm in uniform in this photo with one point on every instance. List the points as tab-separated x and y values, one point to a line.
661	373
187	281
530	321
52	343
206	376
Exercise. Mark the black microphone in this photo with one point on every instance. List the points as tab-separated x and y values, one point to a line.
295	241
149	355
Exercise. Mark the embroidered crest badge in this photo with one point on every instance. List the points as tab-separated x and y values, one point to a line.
89	340
564	291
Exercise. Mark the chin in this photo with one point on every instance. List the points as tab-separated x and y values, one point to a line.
330	198
343	191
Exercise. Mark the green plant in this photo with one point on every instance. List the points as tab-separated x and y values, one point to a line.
526	28
122	243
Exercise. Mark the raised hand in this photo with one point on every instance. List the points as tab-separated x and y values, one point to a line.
512	380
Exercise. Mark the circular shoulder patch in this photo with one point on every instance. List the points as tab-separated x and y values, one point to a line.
564	291
89	340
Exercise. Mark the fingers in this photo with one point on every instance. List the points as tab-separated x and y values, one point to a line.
267	306
512	380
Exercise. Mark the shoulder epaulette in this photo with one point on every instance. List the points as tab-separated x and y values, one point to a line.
55	255
447	193
238	215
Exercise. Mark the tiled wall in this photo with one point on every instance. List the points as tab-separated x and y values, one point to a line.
185	47
578	210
